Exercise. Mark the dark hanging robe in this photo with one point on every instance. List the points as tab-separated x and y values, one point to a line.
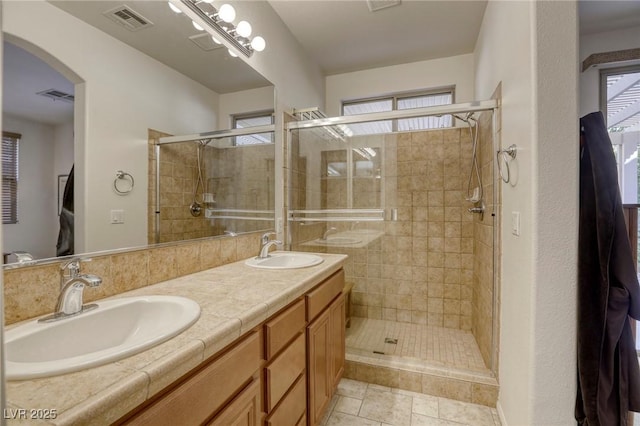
64	246
608	292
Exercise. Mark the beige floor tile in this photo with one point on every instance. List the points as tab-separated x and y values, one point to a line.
383	406
388	407
342	419
420	420
348	405
352	388
425	405
472	414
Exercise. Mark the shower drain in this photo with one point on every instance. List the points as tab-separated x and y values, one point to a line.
387	340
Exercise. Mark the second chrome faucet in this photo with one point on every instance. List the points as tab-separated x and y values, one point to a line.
265	244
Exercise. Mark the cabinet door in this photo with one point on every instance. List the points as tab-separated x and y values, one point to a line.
244	410
337	320
319	363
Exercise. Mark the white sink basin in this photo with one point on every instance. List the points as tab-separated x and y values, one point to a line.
285	260
116	329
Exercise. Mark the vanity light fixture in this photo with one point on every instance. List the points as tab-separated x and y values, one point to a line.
227	13
219	24
174	8
243	29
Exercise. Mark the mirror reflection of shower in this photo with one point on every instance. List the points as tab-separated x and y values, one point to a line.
195	208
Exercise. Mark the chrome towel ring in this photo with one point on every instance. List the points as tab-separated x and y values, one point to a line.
122	175
502	155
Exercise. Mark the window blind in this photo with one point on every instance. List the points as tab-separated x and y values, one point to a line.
10	177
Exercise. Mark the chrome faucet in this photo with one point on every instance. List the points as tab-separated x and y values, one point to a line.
266	243
328	232
72	284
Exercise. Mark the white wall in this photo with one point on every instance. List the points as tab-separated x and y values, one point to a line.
299	80
452	71
37	229
63	149
246	101
600	43
125	93
531	47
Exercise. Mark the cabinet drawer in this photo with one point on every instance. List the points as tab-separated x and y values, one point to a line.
244	410
280	330
284	371
320	298
292	408
198	397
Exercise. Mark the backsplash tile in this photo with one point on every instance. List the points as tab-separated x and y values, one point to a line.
33	291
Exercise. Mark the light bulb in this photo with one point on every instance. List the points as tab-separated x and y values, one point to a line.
215	40
243	28
232	53
174	7
197	26
227	13
258	44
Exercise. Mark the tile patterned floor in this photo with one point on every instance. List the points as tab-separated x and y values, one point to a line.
361	404
437	345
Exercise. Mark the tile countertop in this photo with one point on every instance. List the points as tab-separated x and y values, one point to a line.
233	298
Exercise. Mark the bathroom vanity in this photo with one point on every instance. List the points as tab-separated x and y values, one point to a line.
267	349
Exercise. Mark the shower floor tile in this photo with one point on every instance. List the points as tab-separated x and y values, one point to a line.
439	346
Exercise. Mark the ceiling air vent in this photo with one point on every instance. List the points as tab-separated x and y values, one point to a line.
57	95
205	42
375	5
128	18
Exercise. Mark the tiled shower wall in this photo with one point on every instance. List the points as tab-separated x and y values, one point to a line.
421	269
177	178
486	251
426	257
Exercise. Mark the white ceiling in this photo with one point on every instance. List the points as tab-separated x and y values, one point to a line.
343	36
23	75
339	35
608	15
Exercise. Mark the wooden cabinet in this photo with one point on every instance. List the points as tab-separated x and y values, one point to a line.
337	335
283	373
325	344
244	410
197	398
319	362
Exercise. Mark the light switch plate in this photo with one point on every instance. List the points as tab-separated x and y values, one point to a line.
515	223
117	216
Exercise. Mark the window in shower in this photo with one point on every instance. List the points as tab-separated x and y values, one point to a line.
242	121
399	102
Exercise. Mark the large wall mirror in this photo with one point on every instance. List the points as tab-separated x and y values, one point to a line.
83	91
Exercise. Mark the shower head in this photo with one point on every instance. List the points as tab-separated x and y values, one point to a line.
468	117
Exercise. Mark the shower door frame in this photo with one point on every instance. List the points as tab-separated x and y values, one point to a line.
215	134
491	105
